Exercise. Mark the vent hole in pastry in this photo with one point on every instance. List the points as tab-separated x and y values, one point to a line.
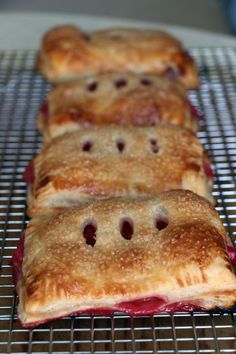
89	233
154	146
120	145
87	146
161	223
120	83
145	81
92	86
126	228
161	219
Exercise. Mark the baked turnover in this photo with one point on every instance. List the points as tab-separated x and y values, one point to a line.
116	161
168	253
67	53
115	98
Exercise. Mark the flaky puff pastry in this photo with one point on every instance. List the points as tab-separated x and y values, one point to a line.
172	256
66	53
116	161
115	98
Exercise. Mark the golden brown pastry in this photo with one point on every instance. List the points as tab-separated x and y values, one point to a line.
115	98
67	53
115	161
168	253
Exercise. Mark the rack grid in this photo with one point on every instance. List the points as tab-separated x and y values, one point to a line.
22	90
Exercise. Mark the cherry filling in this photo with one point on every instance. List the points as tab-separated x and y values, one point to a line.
195	113
208	169
231	253
28	174
44	110
16	260
150	305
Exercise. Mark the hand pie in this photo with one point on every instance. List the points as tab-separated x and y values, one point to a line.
115	161
67	53
115	98
168	253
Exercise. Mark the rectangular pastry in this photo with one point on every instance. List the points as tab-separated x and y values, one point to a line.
116	161
169	253
67	53
115	98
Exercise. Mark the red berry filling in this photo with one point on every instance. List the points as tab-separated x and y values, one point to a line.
208	169
44	110
232	253
195	113
28	175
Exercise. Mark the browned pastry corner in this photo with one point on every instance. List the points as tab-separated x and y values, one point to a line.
115	161
115	98
67	52
168	253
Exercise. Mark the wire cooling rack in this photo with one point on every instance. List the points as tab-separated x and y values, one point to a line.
22	90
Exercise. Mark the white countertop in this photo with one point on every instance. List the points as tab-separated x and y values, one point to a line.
24	30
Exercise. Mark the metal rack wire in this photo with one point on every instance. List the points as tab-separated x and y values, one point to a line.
21	91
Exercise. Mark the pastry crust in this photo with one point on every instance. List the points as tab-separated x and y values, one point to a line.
115	98
67	53
186	261
115	161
